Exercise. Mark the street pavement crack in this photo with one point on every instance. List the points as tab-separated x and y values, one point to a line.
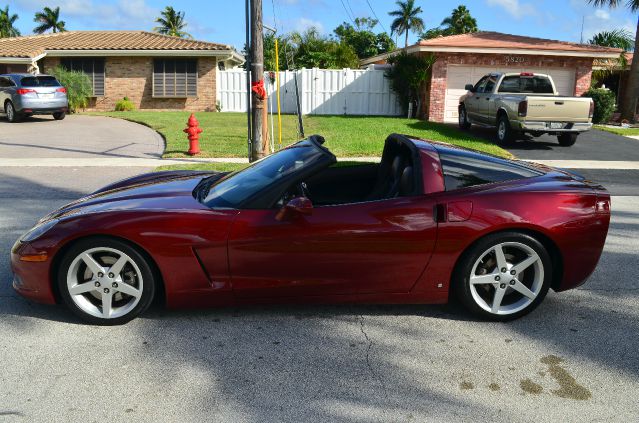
372	371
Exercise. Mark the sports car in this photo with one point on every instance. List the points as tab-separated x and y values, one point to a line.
428	222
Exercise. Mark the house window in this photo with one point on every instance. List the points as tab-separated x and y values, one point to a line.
93	67
175	78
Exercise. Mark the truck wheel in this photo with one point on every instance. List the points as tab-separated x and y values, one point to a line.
505	135
463	118
568	139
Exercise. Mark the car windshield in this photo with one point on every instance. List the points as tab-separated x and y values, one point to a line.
39	81
237	187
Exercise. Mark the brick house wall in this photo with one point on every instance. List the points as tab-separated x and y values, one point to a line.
435	92
132	77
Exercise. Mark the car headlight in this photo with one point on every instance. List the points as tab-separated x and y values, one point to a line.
38	230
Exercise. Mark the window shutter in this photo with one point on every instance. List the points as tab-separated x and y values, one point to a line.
175	78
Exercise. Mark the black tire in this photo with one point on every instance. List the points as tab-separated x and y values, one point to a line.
59	115
10	111
147	277
567	139
463	118
505	135
464	269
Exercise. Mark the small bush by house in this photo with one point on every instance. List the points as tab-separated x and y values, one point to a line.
124	105
78	86
604	100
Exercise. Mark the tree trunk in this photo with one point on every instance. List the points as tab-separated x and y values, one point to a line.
406	44
628	105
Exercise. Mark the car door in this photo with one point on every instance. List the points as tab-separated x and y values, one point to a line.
485	99
472	101
4	91
371	247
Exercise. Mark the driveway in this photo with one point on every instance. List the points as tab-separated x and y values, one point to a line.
574	359
78	137
593	145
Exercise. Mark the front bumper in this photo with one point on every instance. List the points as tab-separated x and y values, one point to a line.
31	279
540	126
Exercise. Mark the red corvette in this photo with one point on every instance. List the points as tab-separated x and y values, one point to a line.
428	220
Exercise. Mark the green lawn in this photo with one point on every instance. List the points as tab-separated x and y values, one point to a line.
225	133
619	130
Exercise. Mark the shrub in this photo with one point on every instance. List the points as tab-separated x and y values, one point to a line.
604	100
78	86
407	76
124	105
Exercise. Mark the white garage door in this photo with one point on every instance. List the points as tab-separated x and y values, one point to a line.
459	76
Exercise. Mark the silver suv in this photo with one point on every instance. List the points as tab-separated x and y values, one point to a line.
23	95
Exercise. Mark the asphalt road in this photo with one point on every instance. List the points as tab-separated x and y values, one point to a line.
574	359
591	145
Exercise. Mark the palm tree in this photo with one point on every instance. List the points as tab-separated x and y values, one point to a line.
6	24
171	23
407	19
460	22
617	38
629	101
49	20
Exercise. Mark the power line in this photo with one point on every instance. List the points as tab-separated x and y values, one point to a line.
347	14
375	14
348	3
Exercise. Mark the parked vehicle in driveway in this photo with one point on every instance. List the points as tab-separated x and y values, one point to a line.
518	103
23	95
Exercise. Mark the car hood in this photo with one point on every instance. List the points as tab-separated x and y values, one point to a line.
154	191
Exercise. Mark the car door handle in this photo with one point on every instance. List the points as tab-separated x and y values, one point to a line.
477	98
487	98
559	103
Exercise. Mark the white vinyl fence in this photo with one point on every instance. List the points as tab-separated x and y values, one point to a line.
322	92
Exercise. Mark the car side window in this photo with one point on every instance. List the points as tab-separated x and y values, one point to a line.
479	87
490	84
463	170
4	82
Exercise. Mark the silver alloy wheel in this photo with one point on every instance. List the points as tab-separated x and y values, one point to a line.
501	130
10	112
506	278
105	282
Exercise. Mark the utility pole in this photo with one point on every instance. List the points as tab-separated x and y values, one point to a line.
258	146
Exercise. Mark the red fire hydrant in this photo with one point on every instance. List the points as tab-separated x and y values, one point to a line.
193	132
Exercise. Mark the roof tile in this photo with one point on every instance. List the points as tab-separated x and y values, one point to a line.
34	45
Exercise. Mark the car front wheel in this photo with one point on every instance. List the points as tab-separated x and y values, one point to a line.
504	276
105	281
59	115
463	118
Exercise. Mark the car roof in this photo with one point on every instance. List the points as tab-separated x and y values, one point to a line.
24	75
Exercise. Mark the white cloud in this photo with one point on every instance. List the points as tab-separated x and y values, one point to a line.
602	14
514	7
303	24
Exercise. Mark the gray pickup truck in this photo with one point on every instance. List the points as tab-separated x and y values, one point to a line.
518	103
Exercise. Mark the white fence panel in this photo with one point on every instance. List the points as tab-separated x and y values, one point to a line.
322	92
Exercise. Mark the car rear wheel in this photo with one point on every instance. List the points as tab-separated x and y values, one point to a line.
505	135
105	281
10	111
504	276
59	115
566	140
463	118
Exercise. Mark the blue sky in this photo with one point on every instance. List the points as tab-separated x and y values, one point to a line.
223	20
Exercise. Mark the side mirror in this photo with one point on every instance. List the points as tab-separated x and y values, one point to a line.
296	206
470	87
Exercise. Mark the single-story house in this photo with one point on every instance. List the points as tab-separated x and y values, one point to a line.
154	71
465	58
